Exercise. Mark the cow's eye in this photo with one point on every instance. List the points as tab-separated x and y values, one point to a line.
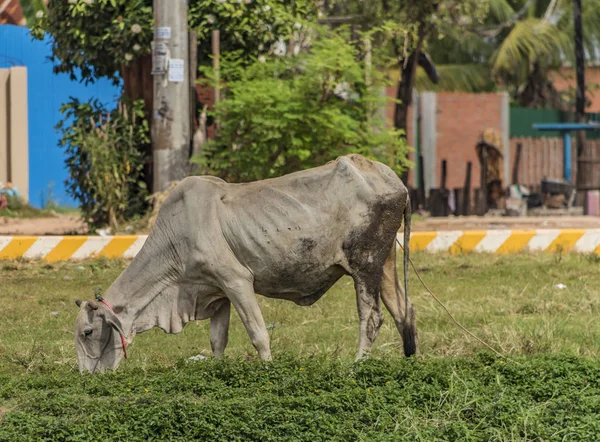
88	331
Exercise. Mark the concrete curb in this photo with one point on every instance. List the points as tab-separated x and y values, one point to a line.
64	248
507	241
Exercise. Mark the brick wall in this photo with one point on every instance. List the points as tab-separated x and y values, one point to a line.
460	119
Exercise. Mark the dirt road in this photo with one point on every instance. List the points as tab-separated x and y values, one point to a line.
55	225
69	225
500	222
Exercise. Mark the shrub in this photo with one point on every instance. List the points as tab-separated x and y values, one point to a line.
105	160
290	113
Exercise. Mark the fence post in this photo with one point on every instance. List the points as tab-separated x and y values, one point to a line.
516	164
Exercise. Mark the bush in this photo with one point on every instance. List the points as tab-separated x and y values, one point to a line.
105	160
285	114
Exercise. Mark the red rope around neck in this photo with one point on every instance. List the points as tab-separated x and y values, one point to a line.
121	334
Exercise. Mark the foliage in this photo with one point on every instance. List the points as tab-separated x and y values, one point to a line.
400	29
408	21
479	398
312	390
17	208
291	113
104	159
250	28
93	39
33	9
520	43
96	38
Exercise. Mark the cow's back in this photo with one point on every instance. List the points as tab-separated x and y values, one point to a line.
293	232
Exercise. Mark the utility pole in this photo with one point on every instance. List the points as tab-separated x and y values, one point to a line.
171	107
582	172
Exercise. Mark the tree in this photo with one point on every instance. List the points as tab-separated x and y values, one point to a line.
33	9
101	38
402	29
518	46
112	38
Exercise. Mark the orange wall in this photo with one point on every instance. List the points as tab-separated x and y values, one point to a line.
566	78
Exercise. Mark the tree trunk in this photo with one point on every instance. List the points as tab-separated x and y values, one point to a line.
404	94
137	84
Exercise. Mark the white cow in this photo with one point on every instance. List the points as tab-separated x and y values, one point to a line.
215	244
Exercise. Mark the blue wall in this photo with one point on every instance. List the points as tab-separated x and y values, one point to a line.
46	93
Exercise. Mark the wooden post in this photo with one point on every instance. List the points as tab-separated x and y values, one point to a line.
516	164
216	52
482	199
467	191
444	174
443	190
422	195
368	64
193	92
368	61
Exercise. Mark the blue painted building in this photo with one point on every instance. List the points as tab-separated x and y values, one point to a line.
46	92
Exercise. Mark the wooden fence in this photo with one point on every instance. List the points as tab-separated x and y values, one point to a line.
543	158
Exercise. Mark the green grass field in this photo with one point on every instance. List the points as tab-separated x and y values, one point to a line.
313	390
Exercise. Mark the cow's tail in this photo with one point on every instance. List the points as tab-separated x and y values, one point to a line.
409	329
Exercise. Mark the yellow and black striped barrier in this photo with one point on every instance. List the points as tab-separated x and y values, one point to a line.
64	248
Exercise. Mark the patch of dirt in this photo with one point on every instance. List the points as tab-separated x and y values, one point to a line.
501	222
55	225
70	225
3	411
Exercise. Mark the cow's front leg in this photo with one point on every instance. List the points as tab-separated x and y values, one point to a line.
219	328
369	315
244	300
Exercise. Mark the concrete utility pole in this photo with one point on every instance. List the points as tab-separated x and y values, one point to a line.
170	116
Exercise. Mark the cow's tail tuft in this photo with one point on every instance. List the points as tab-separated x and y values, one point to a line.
409	329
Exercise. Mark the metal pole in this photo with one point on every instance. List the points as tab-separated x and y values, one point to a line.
171	108
567	156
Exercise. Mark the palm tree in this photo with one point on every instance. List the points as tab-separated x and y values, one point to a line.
518	46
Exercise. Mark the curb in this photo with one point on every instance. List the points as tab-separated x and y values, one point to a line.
64	248
507	241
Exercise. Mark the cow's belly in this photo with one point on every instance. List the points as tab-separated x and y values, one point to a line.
304	286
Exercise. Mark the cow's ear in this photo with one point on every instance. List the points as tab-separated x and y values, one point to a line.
78	302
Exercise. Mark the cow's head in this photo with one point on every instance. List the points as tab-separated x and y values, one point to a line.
97	337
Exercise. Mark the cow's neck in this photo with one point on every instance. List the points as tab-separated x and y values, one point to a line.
156	268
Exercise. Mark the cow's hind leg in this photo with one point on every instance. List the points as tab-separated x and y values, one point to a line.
369	314
244	300
219	328
392	295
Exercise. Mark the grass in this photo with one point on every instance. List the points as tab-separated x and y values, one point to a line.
453	391
16	208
